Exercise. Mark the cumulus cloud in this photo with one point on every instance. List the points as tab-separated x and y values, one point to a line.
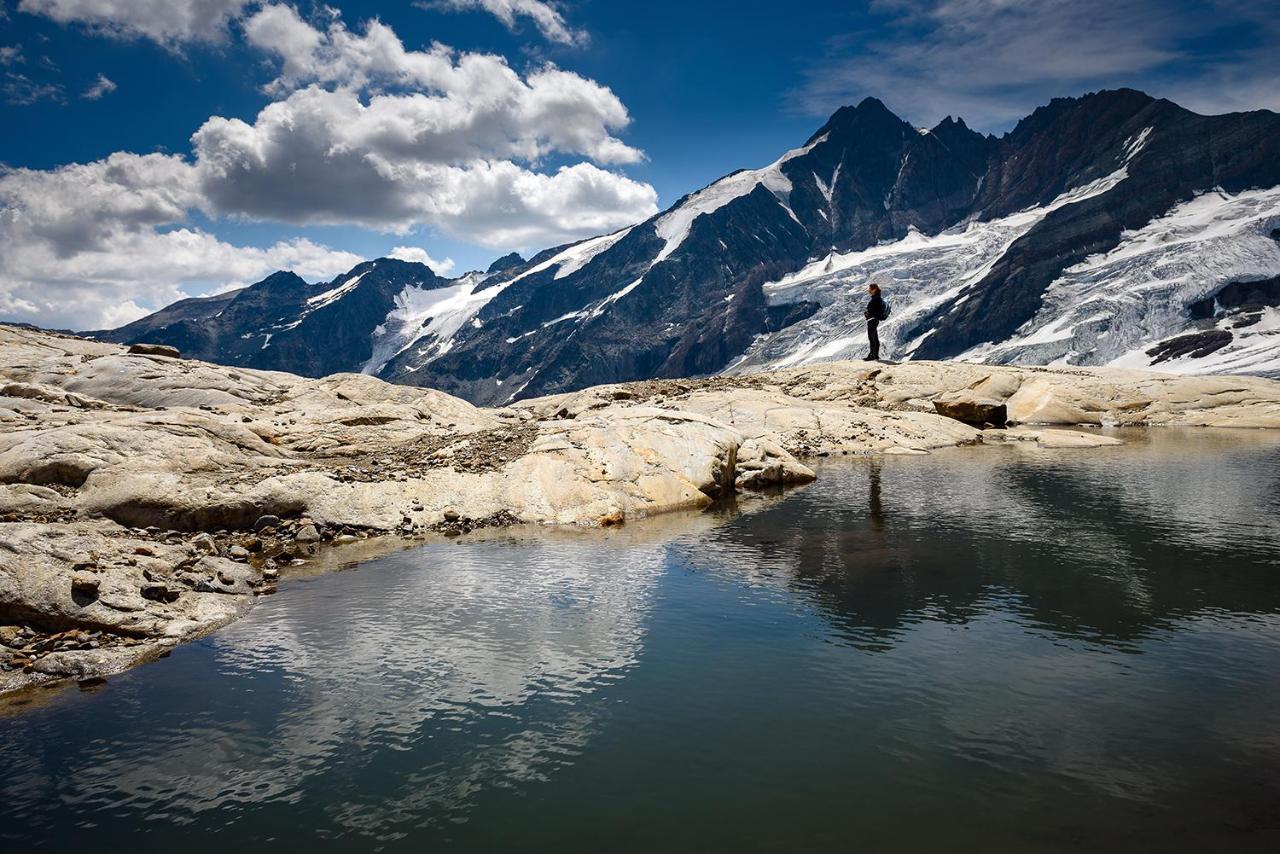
545	16
992	61
325	157
464	104
102	86
91	245
168	22
376	134
417	253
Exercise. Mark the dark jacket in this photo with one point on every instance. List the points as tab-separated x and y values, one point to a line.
875	308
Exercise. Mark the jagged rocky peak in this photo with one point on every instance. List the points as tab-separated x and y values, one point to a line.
870	117
506	262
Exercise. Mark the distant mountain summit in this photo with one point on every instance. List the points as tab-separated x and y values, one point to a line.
1114	228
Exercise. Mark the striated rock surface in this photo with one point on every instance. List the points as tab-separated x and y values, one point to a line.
145	500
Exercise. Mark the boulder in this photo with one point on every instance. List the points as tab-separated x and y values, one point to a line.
155	350
763	464
972	409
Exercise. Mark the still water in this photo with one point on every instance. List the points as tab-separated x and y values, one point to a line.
986	650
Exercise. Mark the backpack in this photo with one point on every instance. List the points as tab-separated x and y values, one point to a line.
884	314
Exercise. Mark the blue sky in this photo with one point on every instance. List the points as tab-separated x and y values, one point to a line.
462	129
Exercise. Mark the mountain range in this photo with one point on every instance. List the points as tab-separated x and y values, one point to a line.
1113	228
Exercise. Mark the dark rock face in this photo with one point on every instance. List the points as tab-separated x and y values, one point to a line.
1195	344
506	262
1239	297
682	293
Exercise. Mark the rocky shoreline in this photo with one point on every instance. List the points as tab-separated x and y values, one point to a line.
146	499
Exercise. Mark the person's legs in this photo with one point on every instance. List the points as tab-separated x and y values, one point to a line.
873	339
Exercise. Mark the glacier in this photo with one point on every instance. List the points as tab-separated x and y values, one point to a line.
1109	309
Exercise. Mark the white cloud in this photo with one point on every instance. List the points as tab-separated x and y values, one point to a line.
417	253
400	139
11	54
454	145
321	157
463	104
993	61
88	245
168	22
545	16
102	86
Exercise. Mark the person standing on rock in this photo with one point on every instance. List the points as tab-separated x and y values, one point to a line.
875	312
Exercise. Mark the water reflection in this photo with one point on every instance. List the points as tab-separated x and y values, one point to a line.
486	648
1106	545
1031	650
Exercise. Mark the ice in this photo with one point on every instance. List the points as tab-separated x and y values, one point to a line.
1112	307
919	272
421	313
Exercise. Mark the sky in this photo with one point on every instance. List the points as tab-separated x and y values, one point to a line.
156	149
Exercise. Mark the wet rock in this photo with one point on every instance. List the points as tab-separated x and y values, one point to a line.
761	463
267	521
307	534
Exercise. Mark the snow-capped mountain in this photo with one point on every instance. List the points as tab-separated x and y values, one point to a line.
1109	229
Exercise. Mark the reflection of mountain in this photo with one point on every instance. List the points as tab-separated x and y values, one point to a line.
1106	546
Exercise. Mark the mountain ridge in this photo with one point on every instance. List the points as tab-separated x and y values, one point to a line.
694	289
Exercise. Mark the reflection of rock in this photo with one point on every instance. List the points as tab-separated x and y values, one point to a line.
115	451
1051	438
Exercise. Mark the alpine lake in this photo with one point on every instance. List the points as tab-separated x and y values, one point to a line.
993	649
